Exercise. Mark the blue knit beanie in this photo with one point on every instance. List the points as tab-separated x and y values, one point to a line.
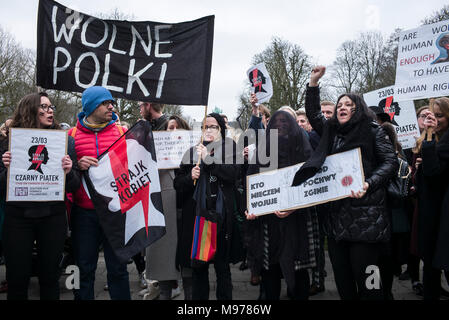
93	97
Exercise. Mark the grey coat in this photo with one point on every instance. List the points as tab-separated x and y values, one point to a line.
161	255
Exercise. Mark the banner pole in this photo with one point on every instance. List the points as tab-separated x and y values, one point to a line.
202	135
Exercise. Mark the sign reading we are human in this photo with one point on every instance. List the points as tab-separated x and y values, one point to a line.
171	145
271	190
422	68
145	60
402	114
35	172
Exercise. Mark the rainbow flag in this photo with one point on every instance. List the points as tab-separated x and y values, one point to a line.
204	242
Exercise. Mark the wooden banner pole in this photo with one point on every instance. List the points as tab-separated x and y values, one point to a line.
202	135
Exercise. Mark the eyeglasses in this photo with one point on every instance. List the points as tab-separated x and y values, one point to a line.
422	116
107	103
47	107
212	128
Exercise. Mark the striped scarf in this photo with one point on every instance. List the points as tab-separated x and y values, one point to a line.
94	127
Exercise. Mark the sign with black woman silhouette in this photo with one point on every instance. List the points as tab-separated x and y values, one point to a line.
35	172
401	114
260	82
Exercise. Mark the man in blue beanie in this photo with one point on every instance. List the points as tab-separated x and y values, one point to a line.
94	133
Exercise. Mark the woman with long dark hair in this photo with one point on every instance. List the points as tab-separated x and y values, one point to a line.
432	182
282	244
41	223
358	227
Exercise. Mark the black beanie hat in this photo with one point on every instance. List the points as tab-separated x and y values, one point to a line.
221	123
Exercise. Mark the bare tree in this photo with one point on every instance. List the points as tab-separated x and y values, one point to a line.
16	73
365	64
345	70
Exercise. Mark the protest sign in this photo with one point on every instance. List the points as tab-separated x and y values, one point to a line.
271	190
35	172
260	82
422	68
402	114
171	145
126	192
147	61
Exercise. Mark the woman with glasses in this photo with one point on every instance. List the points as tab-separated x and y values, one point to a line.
40	224
210	186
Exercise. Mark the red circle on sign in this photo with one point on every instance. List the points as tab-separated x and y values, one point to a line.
346	181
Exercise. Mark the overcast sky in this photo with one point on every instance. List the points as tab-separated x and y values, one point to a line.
245	28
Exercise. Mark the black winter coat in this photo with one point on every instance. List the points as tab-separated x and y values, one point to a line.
433	204
227	175
365	219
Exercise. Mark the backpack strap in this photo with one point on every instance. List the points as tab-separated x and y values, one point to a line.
73	132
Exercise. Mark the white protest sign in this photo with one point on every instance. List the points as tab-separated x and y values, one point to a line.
171	145
260	82
35	172
271	190
422	68
402	115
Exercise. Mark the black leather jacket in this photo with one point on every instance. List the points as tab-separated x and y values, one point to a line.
365	219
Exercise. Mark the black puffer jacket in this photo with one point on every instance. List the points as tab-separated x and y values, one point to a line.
365	219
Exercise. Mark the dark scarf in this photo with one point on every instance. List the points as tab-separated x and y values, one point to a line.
339	138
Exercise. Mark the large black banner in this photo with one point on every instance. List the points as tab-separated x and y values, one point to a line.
147	61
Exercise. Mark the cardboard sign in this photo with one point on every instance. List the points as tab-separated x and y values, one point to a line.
35	172
402	115
171	145
422	68
260	82
271	191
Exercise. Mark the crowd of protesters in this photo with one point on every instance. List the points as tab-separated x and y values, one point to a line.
369	228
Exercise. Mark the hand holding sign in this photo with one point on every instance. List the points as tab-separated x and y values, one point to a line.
430	122
66	164
6	158
201	150
254	101
361	193
195	172
283	214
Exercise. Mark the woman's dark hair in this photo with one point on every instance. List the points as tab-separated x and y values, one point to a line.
391	132
182	124
220	122
294	147
26	113
361	113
